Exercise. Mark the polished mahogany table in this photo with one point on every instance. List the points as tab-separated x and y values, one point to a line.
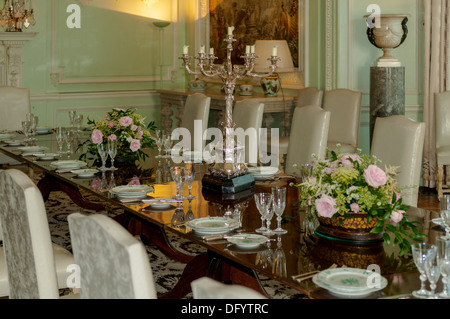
281	258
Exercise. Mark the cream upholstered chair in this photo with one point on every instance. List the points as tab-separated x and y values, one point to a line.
345	108
398	141
36	268
309	130
113	264
207	288
248	114
196	108
306	96
442	131
14	105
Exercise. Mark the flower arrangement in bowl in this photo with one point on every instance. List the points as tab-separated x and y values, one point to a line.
128	129
353	198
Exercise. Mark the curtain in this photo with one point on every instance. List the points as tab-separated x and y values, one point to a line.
437	69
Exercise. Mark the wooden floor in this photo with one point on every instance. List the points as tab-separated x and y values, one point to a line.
428	199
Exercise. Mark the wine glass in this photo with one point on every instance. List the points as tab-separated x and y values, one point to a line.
33	126
433	274
159	141
422	252
443	259
167	144
72	114
78	119
112	152
26	130
279	262
190	176
103	153
60	139
263	202
179	177
268	217
68	137
279	204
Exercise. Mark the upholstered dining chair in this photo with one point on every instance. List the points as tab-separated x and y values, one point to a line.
442	132
208	288
309	130
248	114
196	108
113	264
345	108
36	268
398	141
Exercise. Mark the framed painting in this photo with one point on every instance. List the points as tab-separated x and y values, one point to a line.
254	20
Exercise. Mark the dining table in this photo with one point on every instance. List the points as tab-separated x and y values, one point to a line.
291	258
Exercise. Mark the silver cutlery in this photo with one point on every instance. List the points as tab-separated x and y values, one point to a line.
311	274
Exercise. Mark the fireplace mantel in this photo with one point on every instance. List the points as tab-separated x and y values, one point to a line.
11	44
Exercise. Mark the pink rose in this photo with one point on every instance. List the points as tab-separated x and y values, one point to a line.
375	176
348	160
126	121
326	206
135	145
134	127
112	137
135	181
110	124
354	208
397	216
97	136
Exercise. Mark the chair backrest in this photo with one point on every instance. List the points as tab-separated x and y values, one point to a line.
308	136
442	115
310	96
345	108
26	238
249	114
207	288
398	141
113	264
196	108
14	105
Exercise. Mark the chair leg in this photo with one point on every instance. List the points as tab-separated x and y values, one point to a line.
440	180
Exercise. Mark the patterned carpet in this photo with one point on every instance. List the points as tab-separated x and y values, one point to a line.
166	272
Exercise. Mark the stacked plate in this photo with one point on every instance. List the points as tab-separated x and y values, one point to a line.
85	173
131	191
13	143
69	164
5	136
212	225
247	241
43	130
263	172
160	203
46	156
32	149
350	281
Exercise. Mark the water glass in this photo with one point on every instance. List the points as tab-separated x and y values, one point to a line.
422	253
72	115
443	259
190	176
159	140
33	126
263	202
433	274
279	204
78	120
60	139
103	153
68	137
112	152
167	145
179	177
26	130
268	217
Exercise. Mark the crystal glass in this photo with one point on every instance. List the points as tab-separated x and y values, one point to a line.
103	153
279	204
33	126
111	148
190	214
422	253
433	273
263	202
190	176
178	217
60	139
72	115
167	145
159	140
179	177
280	260
26	130
68	137
268	217
443	259
78	120
445	212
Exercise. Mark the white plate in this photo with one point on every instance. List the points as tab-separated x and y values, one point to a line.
88	172
132	191
43	130
32	149
69	164
212	225
5	137
263	172
160	203
14	143
247	240
350	281
46	156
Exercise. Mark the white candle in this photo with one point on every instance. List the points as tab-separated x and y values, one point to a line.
252	49
185	49
230	30
247	49
211	51
202	49
275	51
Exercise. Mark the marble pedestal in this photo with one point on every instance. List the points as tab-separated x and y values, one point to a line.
387	93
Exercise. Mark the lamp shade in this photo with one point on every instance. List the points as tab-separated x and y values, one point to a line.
264	50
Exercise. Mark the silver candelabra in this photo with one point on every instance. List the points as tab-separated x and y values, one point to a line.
229	74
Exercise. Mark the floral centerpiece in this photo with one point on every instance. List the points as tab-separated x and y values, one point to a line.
130	131
347	186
